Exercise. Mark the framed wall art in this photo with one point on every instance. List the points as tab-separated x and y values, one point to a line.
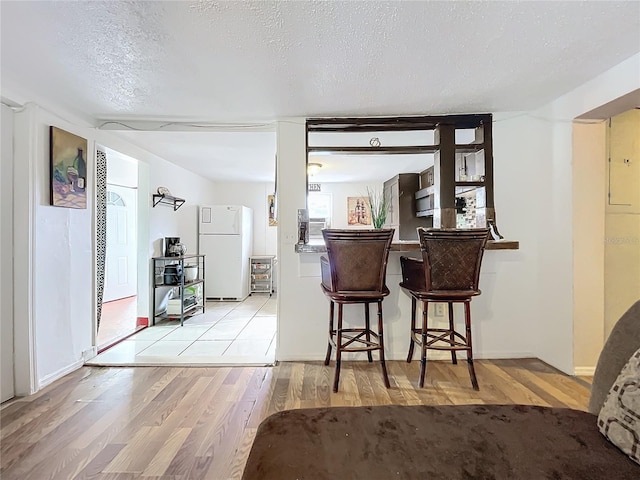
68	162
271	201
358	211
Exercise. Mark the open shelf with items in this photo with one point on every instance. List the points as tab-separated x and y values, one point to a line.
175	202
184	277
454	190
261	274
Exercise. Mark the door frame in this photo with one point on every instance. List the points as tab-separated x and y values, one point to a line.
142	253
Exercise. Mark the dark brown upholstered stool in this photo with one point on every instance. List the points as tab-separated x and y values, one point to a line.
449	273
355	272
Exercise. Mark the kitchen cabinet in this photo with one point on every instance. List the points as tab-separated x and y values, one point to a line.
400	192
261	273
184	276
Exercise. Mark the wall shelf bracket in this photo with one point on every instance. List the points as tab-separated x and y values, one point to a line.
175	202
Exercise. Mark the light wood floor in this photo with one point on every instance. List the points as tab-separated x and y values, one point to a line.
163	423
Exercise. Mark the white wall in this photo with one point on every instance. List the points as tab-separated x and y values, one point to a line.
503	316
6	255
526	307
589	199
527	301
252	195
121	169
60	255
55	246
183	223
558	240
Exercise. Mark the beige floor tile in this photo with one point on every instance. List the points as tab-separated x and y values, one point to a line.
206	318
165	348
124	351
268	309
152	333
242	312
204	348
257	330
225	330
210	338
271	351
187	332
247	348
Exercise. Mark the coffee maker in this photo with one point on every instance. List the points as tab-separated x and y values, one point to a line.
303	226
168	243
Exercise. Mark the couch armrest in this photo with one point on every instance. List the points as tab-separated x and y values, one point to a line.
412	274
325	268
623	341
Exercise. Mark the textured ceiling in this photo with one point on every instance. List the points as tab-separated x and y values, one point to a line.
244	61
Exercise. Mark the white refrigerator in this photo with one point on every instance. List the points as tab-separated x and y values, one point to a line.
226	239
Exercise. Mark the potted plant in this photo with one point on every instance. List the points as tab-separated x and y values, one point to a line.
379	204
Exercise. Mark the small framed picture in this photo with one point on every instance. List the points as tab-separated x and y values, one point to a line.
358	211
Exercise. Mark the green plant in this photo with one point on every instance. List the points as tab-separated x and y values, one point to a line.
379	205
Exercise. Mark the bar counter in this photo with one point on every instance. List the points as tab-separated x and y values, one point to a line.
406	246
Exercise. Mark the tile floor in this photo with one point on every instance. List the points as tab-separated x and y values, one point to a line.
227	333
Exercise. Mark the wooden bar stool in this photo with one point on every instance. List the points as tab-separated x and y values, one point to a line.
355	272
448	273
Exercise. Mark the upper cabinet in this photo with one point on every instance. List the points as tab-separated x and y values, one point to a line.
402	215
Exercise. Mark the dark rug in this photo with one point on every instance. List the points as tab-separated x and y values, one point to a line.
435	442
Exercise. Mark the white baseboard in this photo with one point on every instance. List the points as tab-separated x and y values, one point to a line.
586	371
302	358
52	377
431	355
89	353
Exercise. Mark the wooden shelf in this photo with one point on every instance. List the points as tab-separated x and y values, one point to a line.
409	150
159	272
189	311
185	284
175	202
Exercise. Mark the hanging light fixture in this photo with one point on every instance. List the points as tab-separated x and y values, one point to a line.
313	168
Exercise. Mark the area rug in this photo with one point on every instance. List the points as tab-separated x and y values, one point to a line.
434	442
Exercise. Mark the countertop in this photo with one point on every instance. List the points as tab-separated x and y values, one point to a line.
406	246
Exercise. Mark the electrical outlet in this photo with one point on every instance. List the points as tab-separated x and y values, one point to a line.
290	237
439	310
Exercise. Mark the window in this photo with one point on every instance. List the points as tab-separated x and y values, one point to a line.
320	207
115	199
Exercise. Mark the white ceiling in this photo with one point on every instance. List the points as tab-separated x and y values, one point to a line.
245	62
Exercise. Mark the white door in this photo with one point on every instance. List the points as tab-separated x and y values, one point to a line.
121	261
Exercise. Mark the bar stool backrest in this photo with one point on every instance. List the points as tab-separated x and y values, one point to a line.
452	258
358	259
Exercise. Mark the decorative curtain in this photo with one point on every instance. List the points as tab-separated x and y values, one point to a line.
101	227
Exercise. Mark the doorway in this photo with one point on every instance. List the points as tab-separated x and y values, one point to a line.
118	317
622	217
